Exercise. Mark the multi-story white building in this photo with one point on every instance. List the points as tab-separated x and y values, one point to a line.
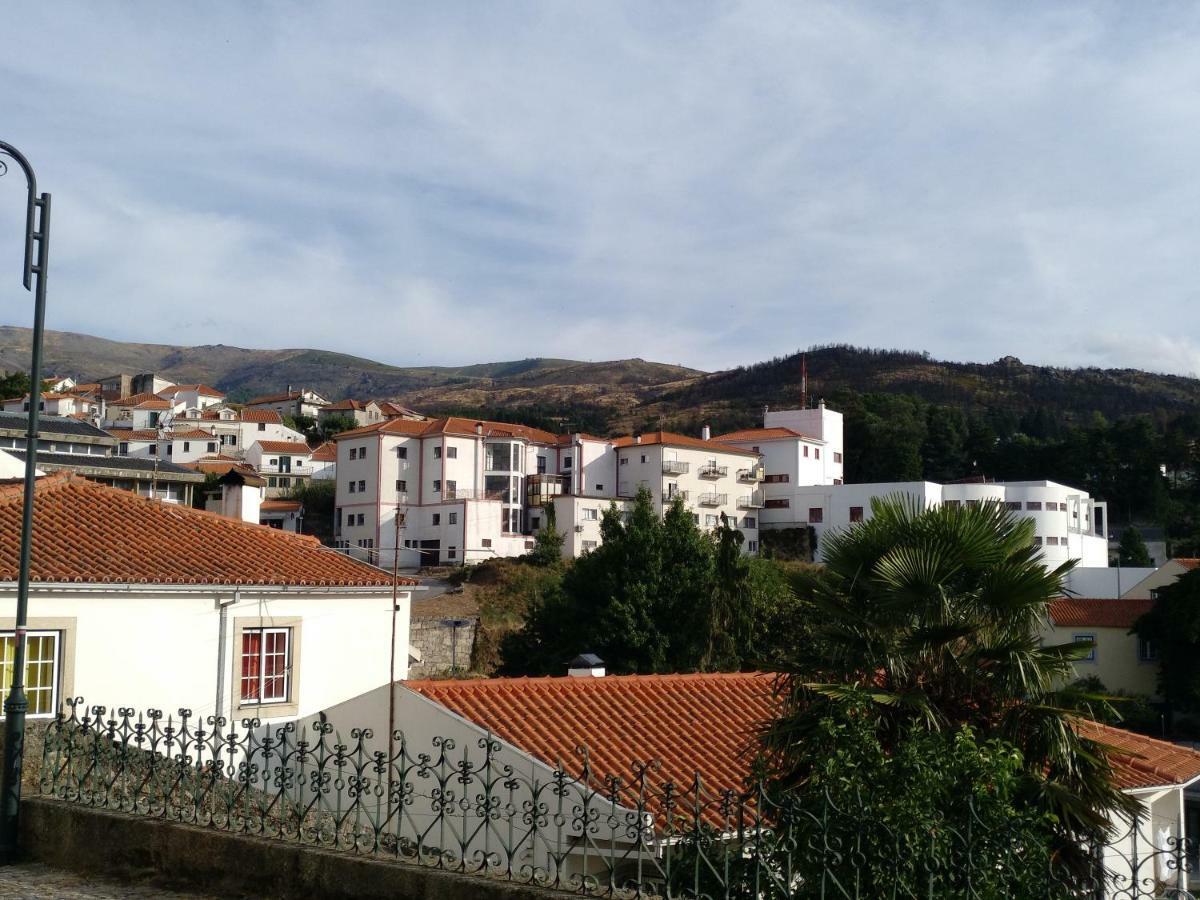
469	490
303	402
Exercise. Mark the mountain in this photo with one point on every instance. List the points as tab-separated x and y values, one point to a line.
623	394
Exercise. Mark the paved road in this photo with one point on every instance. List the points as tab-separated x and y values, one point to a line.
34	881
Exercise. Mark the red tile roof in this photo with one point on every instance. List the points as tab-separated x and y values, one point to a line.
349	403
1142	762
456	425
134	434
264	416
670	439
1119	613
765	434
1188	563
285	397
195	434
144	401
297	447
275	505
327	452
388	408
89	533
203	389
688	723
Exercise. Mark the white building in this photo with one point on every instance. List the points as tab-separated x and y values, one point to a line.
303	402
139	603
283	463
468	490
356	410
185	397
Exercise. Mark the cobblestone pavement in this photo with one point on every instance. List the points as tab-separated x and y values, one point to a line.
34	881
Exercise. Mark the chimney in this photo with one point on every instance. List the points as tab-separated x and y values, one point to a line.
289	390
586	665
706	433
637	437
479	428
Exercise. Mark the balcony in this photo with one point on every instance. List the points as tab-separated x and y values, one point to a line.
471	494
712	470
754	474
542	489
672	496
676	467
753	500
712	499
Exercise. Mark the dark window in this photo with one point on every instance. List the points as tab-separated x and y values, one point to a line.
816	514
451	453
856	514
437	518
781	503
453	518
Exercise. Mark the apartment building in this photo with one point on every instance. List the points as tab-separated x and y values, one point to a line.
466	490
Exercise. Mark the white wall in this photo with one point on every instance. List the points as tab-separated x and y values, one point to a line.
1103	582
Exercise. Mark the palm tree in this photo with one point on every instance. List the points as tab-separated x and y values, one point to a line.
934	615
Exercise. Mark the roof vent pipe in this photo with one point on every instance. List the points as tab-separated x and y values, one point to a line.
706	432
479	428
637	437
586	665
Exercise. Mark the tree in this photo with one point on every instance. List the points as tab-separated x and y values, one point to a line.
935	615
333	425
13	384
548	542
1132	549
729	607
1172	627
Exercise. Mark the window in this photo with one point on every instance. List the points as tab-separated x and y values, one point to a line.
837	458
1014	505
806	450
124	451
352	487
599	489
1086	639
711	520
362	452
232	440
451	488
1147	651
451	453
486	542
362	519
187	445
437	518
266	665
1037	542
437	452
437	485
643	457
212	447
752	546
749	522
591	515
566	462
535	522
696	518
816	452
953	504
778	503
451	553
262	426
624	460
153	449
816	514
541	465
272	481
1052	541
589	545
362	485
401	485
354	453
777	479
1034	505
453	518
401	453
754	449
856	514
41	669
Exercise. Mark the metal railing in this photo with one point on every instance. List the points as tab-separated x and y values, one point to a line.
474	807
675	467
712	499
753	500
672	496
755	473
712	470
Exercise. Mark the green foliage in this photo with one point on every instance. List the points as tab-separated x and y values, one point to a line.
788	544
1132	550
935	616
548	542
200	495
13	384
1172	627
657	595
333	425
318	497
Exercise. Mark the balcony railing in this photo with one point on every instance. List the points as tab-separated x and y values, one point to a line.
672	496
755	473
471	494
712	499
712	470
752	500
675	467
543	487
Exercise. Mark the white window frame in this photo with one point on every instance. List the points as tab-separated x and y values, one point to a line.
262	699
56	680
1089	638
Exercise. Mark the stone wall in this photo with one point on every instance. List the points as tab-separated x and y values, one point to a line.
31	761
443	647
128	847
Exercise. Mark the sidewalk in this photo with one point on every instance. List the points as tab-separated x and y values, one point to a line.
34	881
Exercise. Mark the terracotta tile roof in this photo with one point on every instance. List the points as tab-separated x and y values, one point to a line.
285	397
85	532
388	408
216	465
296	447
688	723
1108	613
203	389
670	439
275	505
267	416
192	434
1142	762
456	425
346	404
1188	562
139	400
765	434
134	434
327	452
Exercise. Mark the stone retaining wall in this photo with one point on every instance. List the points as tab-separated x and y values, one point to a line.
443	647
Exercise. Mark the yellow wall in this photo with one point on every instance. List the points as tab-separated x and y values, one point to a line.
1116	662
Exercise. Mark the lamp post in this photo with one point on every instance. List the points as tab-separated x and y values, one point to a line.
37	231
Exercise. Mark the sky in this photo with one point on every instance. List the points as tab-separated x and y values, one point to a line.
702	183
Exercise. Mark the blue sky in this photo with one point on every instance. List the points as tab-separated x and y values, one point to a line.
698	183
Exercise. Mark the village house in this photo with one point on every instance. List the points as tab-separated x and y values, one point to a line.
357	411
284	464
303	402
1118	657
138	603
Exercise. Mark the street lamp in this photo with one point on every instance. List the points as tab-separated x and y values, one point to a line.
37	231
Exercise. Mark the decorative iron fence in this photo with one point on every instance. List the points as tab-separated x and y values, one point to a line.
467	809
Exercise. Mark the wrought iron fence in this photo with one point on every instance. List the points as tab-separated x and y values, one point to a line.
467	809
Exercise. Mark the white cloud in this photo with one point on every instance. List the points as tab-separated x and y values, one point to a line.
708	184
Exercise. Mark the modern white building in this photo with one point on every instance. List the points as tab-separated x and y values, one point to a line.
283	463
469	490
139	603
